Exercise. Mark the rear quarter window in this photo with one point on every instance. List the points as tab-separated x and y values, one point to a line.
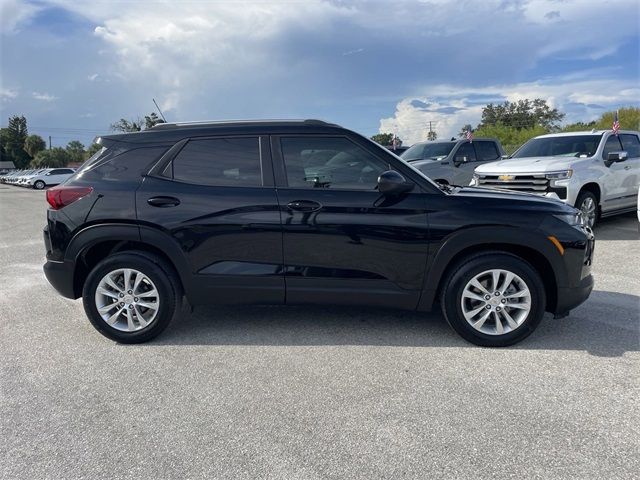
129	164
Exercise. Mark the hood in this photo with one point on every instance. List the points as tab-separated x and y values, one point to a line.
508	198
527	165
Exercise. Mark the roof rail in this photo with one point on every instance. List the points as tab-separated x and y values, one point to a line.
170	125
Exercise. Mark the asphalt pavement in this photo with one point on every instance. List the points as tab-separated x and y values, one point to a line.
306	393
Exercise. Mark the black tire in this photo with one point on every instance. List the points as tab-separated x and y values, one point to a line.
161	274
465	271
582	197
39	185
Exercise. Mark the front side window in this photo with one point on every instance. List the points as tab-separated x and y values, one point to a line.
486	151
220	162
466	150
612	145
631	144
330	162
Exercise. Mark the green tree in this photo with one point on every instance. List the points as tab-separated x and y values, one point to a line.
629	118
152	120
522	114
127	126
55	157
432	135
385	139
14	139
579	126
91	150
34	144
510	137
75	149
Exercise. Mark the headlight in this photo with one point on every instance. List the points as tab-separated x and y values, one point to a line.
573	219
561	175
474	180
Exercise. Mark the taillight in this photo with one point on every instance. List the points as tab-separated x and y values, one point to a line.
62	195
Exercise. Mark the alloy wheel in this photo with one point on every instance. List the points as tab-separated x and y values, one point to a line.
588	209
127	300
496	302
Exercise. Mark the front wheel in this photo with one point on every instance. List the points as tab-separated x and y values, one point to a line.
587	203
131	297
39	185
493	299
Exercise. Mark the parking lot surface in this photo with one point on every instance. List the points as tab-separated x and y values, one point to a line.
291	392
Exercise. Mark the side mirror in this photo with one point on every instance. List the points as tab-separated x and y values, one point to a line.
47	174
614	157
392	183
459	160
505	157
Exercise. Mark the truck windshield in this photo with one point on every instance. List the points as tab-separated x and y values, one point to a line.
566	146
427	151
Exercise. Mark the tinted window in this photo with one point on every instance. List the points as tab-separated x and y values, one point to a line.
466	150
220	161
323	162
570	146
124	165
428	151
486	151
612	145
631	144
59	171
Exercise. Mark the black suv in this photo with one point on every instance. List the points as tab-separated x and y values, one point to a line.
301	212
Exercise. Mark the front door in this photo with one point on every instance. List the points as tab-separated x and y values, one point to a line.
343	242
464	163
617	176
216	200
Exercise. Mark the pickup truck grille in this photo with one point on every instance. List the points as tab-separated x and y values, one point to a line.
521	183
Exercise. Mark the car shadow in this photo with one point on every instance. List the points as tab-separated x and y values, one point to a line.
608	324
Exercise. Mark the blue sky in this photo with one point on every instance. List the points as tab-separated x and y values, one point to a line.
74	67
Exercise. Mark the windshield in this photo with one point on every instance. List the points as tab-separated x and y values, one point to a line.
569	146
428	151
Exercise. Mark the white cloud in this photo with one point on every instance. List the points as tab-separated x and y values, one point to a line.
449	107
14	14
45	97
7	94
92	77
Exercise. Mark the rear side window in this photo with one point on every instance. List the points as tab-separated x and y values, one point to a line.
129	164
486	151
219	162
631	144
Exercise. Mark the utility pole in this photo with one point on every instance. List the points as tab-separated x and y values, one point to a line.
49	142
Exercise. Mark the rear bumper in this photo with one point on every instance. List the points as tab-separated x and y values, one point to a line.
60	276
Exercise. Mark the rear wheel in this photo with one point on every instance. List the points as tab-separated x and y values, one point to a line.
493	299
131	297
587	203
39	185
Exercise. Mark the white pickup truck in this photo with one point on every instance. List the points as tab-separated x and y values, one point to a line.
598	172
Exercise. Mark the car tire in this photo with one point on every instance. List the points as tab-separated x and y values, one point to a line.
587	203
39	185
142	315
501	316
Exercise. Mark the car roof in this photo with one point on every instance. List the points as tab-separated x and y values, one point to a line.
179	130
455	141
586	132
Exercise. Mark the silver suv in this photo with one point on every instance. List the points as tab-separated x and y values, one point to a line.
598	172
452	162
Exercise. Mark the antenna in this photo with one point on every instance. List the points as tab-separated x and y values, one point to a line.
160	111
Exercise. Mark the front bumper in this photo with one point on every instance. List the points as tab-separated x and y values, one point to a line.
571	297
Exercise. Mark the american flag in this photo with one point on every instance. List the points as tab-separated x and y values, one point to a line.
394	141
616	123
469	135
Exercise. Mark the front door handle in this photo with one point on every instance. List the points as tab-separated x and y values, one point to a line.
304	206
163	202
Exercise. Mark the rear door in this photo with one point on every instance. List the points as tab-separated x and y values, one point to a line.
343	241
631	145
216	199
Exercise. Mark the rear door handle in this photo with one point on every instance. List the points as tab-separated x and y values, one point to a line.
163	202
304	206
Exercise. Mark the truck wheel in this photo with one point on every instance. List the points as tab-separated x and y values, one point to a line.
587	203
39	185
493	299
131	297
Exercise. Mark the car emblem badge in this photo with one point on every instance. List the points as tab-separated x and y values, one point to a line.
506	178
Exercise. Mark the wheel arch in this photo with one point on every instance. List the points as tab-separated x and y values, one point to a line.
594	188
91	245
535	249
